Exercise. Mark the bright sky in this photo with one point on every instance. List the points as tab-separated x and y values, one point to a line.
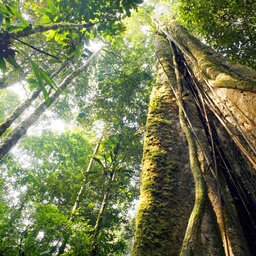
20	89
95	45
54	124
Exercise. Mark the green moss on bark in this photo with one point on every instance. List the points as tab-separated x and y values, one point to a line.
166	191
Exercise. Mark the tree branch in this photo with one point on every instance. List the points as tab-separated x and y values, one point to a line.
44	28
34	48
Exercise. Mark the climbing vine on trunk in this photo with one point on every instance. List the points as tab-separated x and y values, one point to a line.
205	88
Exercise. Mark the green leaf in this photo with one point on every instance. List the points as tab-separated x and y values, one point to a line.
2	63
49	12
47	79
52	6
37	73
3	10
24	23
50	35
98	161
45	19
13	62
61	38
9	10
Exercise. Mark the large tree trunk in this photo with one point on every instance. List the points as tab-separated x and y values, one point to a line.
164	206
221	152
230	87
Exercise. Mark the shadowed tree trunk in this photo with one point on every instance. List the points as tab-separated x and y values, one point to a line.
220	149
193	228
22	128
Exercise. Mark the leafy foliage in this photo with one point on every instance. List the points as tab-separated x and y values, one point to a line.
41	77
67	25
229	26
101	16
50	186
52	169
124	78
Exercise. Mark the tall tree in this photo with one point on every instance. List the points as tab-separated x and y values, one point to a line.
205	88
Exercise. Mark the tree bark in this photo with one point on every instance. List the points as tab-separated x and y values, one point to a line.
167	188
231	88
198	118
194	224
22	128
204	117
218	71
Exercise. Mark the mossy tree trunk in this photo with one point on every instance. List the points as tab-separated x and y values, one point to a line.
164	206
219	148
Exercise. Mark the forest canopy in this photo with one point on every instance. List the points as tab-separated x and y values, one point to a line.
75	109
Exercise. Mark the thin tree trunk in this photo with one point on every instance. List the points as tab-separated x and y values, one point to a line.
78	198
99	221
104	203
22	128
24	105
